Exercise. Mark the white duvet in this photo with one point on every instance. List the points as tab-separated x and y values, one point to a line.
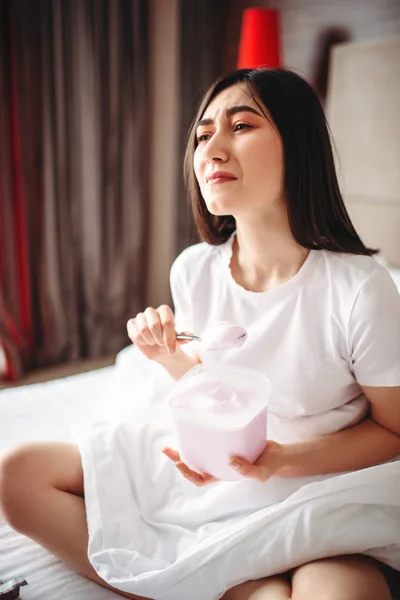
154	534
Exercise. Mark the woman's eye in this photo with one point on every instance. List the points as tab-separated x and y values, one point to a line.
241	126
203	137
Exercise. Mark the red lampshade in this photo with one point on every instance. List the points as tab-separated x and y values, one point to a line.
260	39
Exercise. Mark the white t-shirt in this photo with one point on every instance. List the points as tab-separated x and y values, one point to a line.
335	326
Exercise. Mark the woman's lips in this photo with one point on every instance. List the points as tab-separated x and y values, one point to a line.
221	180
220	177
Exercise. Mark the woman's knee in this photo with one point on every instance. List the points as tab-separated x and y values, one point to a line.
277	586
29	470
16	473
340	578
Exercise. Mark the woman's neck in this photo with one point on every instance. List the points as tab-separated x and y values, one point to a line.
265	256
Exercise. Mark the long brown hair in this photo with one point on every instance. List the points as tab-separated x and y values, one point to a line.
317	215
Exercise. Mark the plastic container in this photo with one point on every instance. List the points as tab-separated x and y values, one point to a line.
220	412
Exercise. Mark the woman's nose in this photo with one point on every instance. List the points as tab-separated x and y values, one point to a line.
215	149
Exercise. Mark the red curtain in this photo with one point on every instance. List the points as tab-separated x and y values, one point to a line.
22	335
16	318
73	178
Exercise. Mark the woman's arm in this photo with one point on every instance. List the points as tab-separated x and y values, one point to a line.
180	363
374	344
371	442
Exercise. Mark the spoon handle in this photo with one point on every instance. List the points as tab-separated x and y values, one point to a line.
186	336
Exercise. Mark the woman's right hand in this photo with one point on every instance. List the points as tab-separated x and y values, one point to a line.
153	332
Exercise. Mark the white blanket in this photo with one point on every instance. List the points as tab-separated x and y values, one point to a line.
161	537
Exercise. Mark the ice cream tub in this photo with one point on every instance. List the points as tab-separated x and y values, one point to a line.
219	412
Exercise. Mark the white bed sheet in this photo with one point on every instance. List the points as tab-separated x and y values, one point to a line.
56	410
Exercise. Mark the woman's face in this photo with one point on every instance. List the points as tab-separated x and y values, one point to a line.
239	161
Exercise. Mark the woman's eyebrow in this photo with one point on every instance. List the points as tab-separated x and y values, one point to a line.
232	110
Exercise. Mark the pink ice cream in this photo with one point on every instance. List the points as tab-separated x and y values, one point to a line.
224	335
220	412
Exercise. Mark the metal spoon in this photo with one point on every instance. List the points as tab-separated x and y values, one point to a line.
186	336
224	336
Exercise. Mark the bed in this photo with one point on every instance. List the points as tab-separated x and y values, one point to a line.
54	410
60	410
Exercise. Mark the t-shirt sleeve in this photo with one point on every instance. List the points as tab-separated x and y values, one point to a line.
180	294
374	332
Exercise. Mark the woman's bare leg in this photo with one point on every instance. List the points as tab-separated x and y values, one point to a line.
354	577
270	588
41	496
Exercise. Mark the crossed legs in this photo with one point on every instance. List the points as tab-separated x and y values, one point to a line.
41	496
353	577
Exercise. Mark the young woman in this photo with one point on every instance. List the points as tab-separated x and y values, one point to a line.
281	258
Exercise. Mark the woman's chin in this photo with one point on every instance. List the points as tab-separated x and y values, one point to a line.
220	209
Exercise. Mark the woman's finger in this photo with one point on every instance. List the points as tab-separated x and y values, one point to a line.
267	464
246	469
193	476
133	333
171	454
198	479
184	469
143	329
154	325
168	327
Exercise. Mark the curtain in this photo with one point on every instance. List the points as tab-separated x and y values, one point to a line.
73	177
210	33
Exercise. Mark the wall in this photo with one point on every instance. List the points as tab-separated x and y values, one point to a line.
305	23
363	112
309	27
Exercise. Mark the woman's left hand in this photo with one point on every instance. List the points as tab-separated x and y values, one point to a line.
267	464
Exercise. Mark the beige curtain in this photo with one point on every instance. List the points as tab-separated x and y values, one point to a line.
73	176
203	49
210	34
